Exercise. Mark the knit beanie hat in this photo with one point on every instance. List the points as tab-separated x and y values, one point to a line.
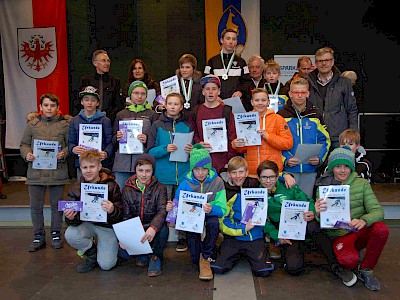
148	157
210	79
89	90
136	84
341	156
199	157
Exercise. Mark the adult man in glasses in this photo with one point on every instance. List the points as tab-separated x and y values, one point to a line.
332	95
109	86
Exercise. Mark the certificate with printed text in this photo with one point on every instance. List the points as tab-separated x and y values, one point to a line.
129	143
257	197
273	102
214	132
45	154
338	205
191	215
247	125
292	225
169	85
90	136
92	195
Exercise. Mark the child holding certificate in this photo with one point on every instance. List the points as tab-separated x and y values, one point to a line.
275	135
293	249
212	109
367	227
140	109
80	234
161	145
239	237
49	127
202	178
145	197
90	114
307	127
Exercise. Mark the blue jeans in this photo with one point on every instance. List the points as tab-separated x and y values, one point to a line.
80	237
121	177
158	244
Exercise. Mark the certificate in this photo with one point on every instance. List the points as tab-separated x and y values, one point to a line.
236	103
247	125
129	233
259	198
92	195
181	140
191	215
45	154
151	95
129	143
169	85
214	133
90	136
305	151
292	225
273	102
338	205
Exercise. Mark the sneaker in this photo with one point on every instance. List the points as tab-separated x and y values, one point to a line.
205	269
154	266
142	260
90	261
347	276
39	242
181	245
369	279
274	251
56	241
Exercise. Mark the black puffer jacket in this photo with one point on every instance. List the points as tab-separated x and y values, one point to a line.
149	206
114	195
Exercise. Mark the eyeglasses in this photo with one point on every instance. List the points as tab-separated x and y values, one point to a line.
269	178
299	93
104	60
320	61
137	94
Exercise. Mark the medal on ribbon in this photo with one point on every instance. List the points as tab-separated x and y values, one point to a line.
187	94
226	69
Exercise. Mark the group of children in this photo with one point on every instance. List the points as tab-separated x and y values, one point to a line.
144	185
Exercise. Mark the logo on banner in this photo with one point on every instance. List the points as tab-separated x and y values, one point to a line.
232	18
37	51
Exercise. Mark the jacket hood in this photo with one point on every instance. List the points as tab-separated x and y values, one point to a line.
131	182
196	75
98	115
210	177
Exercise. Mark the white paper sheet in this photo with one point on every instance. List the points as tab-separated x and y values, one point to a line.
305	151
338	202
236	103
181	140
45	154
129	233
247	125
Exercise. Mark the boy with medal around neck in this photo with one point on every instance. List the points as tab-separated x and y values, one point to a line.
227	65
189	81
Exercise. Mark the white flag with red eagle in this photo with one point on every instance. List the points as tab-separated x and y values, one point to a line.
35	59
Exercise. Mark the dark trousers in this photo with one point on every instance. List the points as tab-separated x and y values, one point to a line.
294	254
207	246
158	244
232	249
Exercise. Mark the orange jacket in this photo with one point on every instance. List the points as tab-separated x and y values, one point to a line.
279	139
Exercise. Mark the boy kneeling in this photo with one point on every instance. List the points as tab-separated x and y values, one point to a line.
238	237
80	234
